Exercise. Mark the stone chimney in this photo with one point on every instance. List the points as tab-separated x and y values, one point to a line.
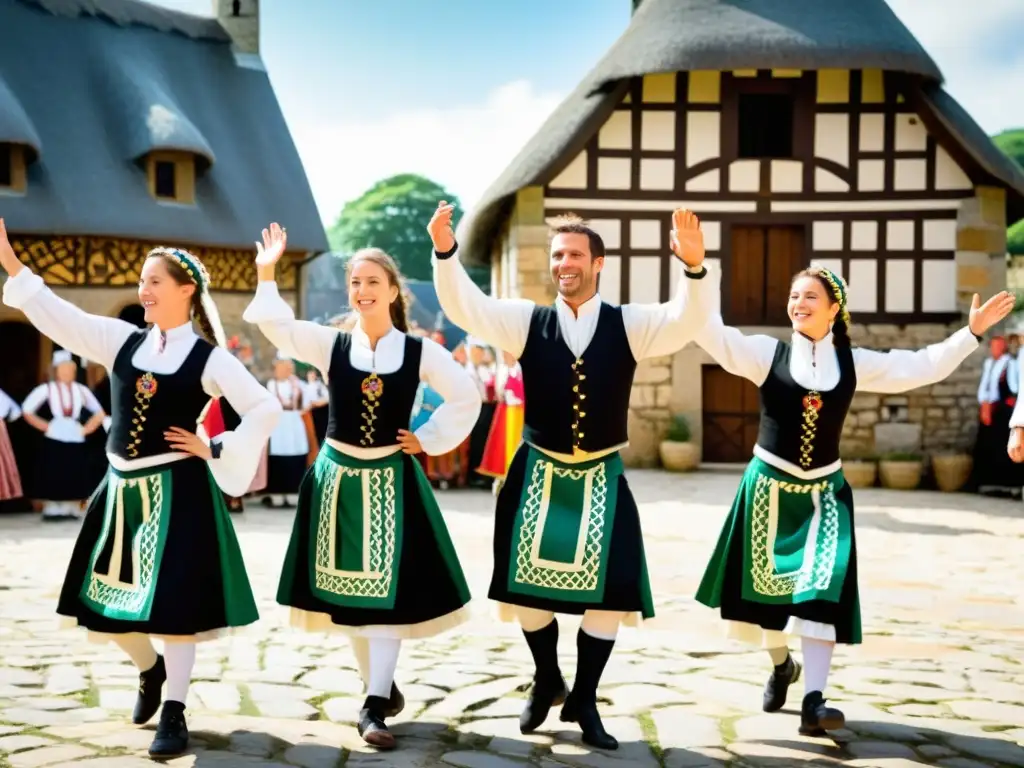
241	20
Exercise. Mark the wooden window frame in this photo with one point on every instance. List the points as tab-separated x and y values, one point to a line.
184	176
19	177
728	264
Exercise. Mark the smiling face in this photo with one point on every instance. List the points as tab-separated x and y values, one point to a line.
811	308
165	292
370	291
573	269
66	372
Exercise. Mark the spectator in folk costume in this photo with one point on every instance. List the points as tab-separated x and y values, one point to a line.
317	401
289	444
66	412
993	471
507	426
10	478
157	555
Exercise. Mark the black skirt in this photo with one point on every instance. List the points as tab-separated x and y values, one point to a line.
429	586
284	474
626	584
201	584
64	471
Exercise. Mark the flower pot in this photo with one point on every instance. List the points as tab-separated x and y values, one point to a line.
952	471
679	457
900	475
860	474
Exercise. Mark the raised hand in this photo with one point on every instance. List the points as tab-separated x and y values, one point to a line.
183	440
440	227
984	316
686	238
8	260
275	240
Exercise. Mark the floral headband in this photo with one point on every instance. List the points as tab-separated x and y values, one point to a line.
192	266
838	288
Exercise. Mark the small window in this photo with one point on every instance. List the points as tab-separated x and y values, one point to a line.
6	166
766	125
165	179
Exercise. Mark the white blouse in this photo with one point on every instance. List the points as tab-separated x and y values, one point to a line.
76	397
311	343
9	410
652	329
101	338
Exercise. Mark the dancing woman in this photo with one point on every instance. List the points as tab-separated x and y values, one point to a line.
786	560
370	554
10	478
157	554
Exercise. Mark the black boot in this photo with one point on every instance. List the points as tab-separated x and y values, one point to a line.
371	723
581	705
816	718
151	683
777	687
171	733
548	684
396	702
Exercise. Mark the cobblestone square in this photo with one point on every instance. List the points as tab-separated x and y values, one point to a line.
938	681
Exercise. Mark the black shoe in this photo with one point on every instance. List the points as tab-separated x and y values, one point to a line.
816	718
585	713
543	696
371	723
396	702
151	683
172	732
777	687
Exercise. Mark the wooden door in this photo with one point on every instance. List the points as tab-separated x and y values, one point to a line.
762	264
731	416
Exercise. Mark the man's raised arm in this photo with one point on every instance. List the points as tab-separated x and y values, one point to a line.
502	323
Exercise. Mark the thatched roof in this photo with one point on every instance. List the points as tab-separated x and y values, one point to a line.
683	35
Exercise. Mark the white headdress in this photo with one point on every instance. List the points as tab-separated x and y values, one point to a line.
62	356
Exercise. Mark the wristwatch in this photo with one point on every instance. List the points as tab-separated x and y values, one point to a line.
215	449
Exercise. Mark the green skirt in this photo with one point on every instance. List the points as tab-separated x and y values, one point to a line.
370	547
787	550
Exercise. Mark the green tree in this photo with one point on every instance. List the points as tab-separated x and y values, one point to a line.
393	215
1011	142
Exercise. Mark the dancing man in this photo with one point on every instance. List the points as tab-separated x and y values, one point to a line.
567	533
786	560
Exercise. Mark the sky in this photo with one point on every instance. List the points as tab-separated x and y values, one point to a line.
453	90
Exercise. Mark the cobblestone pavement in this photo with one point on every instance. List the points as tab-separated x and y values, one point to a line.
938	680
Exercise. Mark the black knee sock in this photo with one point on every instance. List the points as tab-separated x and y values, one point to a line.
544	647
592	656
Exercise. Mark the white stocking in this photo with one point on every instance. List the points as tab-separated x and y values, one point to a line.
139	649
604	625
817	663
179	659
361	650
383	660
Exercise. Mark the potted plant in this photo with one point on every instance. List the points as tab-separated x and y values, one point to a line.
901	470
952	470
860	468
677	452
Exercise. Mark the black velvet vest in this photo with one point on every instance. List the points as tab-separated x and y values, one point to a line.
144	404
577	402
365	412
802	426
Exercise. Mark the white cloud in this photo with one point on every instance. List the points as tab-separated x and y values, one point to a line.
975	45
463	148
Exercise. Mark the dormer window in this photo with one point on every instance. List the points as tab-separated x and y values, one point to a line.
12	168
172	177
765	125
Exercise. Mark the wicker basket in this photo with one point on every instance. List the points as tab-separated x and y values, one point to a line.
952	471
860	473
903	475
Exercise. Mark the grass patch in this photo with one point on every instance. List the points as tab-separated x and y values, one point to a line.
650	735
727	727
247	706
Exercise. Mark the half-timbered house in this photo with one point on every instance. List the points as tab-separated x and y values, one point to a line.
124	126
800	131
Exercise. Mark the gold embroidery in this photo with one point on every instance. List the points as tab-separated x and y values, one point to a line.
580	414
372	389
809	428
145	388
